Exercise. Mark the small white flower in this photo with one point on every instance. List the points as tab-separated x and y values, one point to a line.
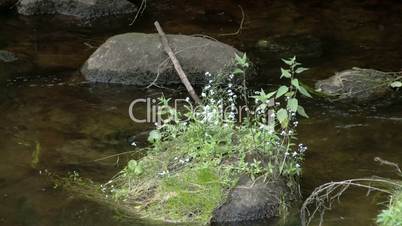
203	94
187	99
133	144
297	165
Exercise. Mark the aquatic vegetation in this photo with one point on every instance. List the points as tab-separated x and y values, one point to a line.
392	216
197	156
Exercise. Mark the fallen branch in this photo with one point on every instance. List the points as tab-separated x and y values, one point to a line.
176	64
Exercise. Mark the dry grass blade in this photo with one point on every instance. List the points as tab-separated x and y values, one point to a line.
321	199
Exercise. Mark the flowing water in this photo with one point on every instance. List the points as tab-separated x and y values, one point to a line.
47	112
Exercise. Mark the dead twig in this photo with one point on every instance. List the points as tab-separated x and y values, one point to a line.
323	196
176	64
140	11
388	163
241	24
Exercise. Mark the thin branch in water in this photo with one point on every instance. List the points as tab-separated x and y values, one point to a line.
241	24
323	196
388	163
112	156
140	11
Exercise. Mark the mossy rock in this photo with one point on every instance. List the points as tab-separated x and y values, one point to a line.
254	200
357	85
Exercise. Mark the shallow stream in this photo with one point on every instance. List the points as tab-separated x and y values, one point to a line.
45	108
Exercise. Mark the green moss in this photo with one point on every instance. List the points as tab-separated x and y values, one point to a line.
190	196
392	216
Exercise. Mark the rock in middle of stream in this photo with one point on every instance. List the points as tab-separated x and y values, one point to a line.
139	59
358	85
82	9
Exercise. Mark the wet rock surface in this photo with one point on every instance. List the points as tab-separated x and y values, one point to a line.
83	9
252	200
357	85
139	59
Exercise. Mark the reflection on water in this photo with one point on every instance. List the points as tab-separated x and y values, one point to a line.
43	102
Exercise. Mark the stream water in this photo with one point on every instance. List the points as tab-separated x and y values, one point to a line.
73	124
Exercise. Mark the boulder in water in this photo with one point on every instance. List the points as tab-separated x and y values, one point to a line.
357	85
139	59
253	200
83	9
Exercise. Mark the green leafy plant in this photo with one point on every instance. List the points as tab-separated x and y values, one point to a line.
392	216
197	156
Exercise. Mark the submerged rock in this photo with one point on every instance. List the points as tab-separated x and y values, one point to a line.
7	57
7	4
139	59
300	45
83	9
253	200
357	85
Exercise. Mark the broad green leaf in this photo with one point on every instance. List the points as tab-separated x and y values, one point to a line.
132	164
295	83
271	94
396	84
285	73
138	170
154	136
238	58
292	104
301	111
289	61
282	116
290	94
281	91
134	167
303	91
301	70
244	58
238	71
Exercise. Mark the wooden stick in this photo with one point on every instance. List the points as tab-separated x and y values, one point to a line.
176	64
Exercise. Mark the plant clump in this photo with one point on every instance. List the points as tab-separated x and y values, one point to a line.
197	156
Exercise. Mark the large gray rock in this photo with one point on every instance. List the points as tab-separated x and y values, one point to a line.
357	85
83	9
138	59
253	200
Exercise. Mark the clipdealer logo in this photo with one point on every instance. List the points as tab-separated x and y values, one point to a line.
153	111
